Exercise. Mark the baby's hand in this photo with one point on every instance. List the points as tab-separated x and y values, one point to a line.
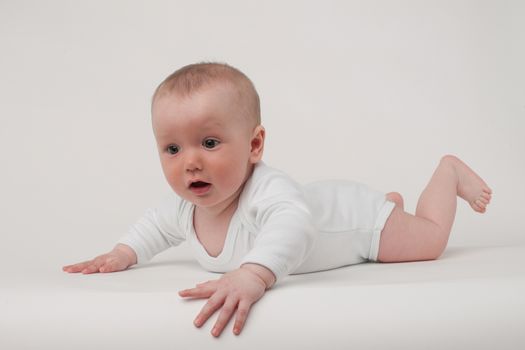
120	258
235	289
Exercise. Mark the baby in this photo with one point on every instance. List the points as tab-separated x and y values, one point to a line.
253	222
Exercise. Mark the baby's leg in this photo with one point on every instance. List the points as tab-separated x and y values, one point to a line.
424	236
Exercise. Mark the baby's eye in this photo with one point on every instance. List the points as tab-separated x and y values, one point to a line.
210	143
173	149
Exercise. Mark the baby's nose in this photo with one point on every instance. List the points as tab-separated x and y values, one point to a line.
192	162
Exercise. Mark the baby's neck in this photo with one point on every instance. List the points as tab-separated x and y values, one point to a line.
218	213
211	226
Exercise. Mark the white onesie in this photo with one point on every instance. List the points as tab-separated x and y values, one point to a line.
279	224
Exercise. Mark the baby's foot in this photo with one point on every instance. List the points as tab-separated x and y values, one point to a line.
471	187
396	198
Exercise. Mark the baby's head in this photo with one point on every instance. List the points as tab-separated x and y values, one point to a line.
194	77
206	121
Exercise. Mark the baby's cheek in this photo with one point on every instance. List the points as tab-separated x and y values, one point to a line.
176	185
235	180
172	176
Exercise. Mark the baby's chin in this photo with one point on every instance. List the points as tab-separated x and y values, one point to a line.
202	197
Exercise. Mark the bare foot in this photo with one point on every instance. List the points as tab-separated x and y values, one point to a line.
396	198
471	187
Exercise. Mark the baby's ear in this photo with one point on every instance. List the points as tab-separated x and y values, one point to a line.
257	144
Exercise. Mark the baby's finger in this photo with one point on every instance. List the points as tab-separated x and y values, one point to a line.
92	268
198	292
76	267
106	268
213	304
110	266
224	316
242	313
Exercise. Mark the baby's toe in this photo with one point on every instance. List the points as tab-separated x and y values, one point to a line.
477	207
480	204
486	196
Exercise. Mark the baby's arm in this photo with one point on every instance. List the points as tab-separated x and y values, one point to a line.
120	258
285	236
154	232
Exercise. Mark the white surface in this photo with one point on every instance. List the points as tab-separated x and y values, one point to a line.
470	298
372	91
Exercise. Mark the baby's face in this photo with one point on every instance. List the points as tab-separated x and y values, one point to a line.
205	145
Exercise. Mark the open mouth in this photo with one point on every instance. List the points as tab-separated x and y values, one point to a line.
199	184
200	187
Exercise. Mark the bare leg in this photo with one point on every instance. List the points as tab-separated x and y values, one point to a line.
424	236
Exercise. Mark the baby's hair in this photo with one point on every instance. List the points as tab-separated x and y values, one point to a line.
193	77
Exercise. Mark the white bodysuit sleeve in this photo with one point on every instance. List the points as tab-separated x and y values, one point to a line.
157	230
282	220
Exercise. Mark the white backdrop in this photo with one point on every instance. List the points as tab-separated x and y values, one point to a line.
374	91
